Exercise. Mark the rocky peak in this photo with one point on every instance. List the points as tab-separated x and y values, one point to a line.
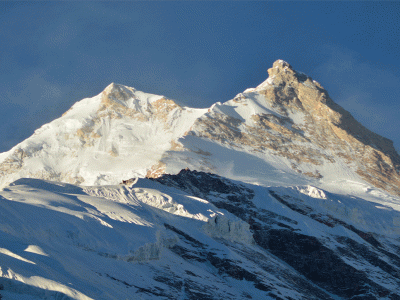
117	93
295	91
294	118
329	123
279	66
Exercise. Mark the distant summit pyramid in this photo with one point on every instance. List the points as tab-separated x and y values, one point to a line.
286	130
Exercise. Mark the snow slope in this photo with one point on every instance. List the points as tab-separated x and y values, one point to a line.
193	236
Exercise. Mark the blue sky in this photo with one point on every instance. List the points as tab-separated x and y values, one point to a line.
53	54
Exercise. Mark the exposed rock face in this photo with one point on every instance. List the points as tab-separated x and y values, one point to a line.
304	126
331	127
119	101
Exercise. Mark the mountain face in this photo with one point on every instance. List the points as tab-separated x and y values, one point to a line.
278	193
288	126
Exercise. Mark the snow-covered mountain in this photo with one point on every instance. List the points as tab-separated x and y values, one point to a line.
285	130
278	193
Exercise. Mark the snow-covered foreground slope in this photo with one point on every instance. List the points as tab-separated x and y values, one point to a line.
195	236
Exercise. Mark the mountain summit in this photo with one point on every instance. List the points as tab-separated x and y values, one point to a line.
287	129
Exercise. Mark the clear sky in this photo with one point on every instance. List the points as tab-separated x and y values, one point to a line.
53	54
